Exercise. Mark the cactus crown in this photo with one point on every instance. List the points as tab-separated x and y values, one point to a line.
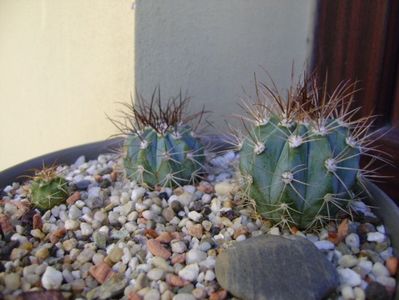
300	154
48	189
161	147
140	115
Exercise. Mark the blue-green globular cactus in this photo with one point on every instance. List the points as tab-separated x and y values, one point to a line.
300	158
161	148
48	189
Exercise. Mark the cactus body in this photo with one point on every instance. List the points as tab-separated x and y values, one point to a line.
170	159
48	192
161	147
296	180
300	161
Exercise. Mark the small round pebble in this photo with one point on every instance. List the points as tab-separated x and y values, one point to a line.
190	272
51	278
350	277
375	237
155	274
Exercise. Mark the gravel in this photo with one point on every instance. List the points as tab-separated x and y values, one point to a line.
164	242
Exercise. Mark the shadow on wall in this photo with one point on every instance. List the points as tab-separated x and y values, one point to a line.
212	48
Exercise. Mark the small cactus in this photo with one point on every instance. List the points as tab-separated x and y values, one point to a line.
161	148
300	158
48	189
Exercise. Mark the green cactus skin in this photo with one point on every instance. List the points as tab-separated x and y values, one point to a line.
300	170
170	159
161	147
48	192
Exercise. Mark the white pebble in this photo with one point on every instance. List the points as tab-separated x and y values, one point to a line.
155	274
359	293
204	246
208	263
126	208
359	206
113	217
86	229
381	229
201	277
152	294
80	161
210	275
147	214
55	211
130	227
99	216
190	272
379	270
241	238
91	170
140	207
178	246
87	213
352	240
71	224
377	237
364	267
348	276
195	216
132	216
114	199
94	192
51	279
189	189
122	219
347	261
104	230
274	231
185	199
97	258
172	198
63	216
216	204
224	188
324	245
74	212
79	204
183	296
206	198
347	292
137	193
195	256
76	274
386	253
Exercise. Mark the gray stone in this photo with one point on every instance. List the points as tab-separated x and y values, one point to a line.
111	288
100	239
276	267
82	184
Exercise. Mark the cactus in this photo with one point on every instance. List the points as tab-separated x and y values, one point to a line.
161	148
48	189
300	157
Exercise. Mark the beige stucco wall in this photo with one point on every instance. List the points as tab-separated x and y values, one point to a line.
63	64
212	48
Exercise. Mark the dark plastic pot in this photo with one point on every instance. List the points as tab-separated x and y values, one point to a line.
383	206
